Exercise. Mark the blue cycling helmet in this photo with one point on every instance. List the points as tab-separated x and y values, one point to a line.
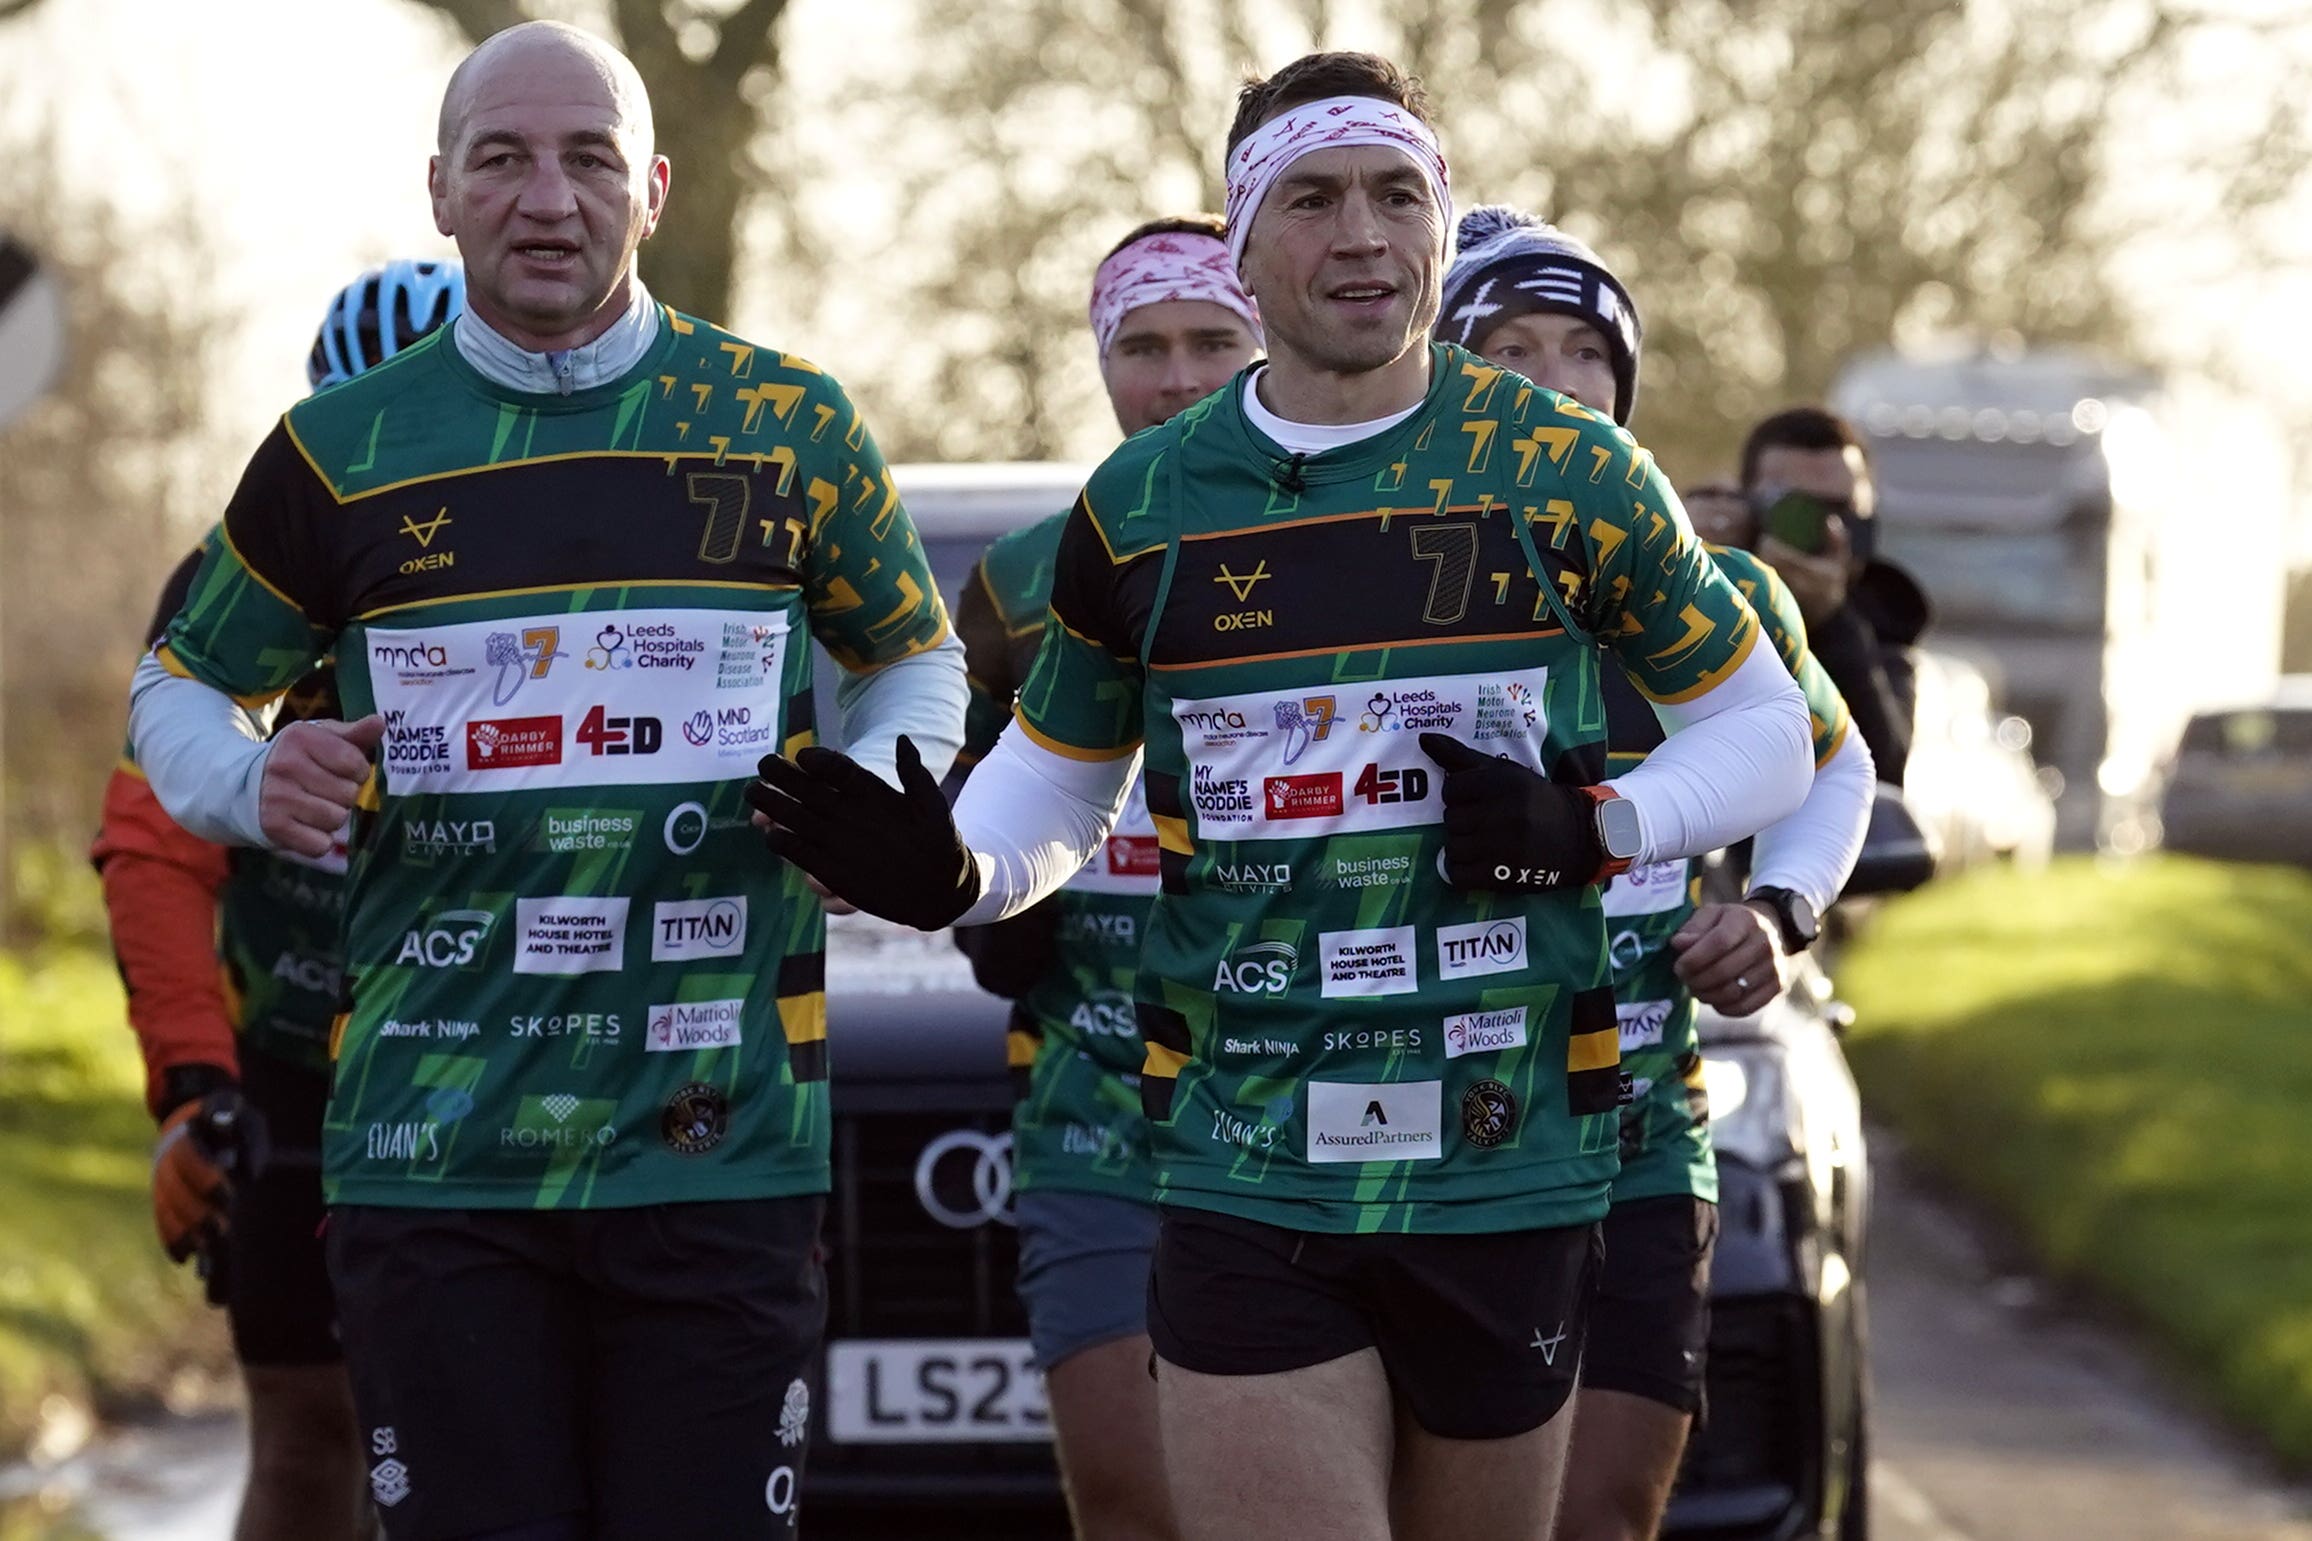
382	312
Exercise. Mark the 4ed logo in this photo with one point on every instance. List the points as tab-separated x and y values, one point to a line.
429	560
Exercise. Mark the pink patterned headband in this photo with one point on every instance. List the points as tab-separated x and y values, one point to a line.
1271	149
1172	265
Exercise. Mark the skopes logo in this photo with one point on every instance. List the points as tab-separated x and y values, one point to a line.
1305	720
693	1025
451	939
317	976
513	743
1481	947
1259	968
1302	797
689	929
1643	1024
1105	1014
1485	1032
1367	1040
1250	877
600	1026
1408	711
425	840
1220	799
963	1179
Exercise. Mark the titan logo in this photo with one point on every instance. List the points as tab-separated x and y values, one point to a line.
1241	586
424	533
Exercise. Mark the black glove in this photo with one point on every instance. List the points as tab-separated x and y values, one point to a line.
1010	957
1509	828
208	1142
892	852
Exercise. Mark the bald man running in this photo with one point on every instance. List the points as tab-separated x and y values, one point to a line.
570	556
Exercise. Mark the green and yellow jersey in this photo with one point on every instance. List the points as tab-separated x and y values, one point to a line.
1336	1040
575	977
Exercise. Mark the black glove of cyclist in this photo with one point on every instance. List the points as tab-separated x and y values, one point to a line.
891	851
1010	957
1508	827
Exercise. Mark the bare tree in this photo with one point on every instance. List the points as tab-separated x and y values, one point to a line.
98	483
1780	183
711	70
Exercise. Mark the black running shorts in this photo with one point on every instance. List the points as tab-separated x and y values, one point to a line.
1650	1325
270	1271
1479	1334
643	1371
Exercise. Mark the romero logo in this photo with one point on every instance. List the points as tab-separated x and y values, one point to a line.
1302	797
696	1119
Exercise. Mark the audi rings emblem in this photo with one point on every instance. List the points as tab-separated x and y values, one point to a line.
964	1178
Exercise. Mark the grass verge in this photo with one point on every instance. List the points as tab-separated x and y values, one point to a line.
90	1309
2119	1061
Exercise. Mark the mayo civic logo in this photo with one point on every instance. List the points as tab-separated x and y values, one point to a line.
1358	1121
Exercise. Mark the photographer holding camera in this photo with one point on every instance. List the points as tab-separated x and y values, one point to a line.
1807	482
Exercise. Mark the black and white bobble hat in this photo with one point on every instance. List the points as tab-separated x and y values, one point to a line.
1511	264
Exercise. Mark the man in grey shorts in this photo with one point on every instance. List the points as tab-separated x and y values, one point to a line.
1173	324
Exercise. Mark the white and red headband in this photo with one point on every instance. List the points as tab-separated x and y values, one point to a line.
1270	150
1171	265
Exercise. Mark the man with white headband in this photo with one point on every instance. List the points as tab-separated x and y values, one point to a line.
1172	324
1352	609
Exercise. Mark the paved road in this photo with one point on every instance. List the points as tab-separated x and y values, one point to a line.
2000	1417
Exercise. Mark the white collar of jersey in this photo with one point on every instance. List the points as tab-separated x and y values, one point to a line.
1311	438
573	369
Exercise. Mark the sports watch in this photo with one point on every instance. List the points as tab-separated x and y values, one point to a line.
1618	832
1793	915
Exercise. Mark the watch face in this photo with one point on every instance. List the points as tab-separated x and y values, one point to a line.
1618	828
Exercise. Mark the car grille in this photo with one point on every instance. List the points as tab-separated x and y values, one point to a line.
892	1270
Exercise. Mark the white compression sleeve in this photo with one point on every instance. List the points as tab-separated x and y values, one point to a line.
922	696
1033	818
1738	757
1813	851
198	751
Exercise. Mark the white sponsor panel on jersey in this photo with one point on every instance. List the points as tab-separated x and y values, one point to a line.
1382	961
580	699
1648	890
1485	1032
1286	765
688	930
693	1025
1643	1023
1350	1121
570	934
1130	860
1481	947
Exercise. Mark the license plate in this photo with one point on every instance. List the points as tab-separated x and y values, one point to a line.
922	1390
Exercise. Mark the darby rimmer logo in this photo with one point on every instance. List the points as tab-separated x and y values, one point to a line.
510	743
1134	856
1302	797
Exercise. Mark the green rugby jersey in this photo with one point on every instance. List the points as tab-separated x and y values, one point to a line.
576	977
1336	1040
1666	1125
1074	1040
